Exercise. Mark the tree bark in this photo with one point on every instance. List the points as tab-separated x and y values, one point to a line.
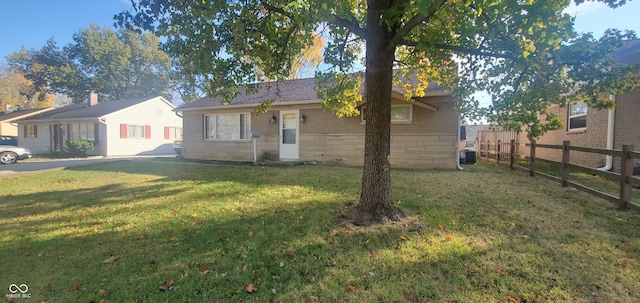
376	199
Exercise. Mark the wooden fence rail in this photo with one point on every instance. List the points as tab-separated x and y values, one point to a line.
498	151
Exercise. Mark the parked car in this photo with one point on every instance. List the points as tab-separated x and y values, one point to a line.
10	154
9	140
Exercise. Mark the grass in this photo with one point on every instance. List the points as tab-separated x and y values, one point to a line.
149	231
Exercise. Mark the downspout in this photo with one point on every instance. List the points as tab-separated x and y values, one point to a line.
610	132
458	167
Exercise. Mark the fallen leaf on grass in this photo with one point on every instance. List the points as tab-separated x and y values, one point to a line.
110	260
440	226
512	299
502	272
102	292
406	295
462	289
73	287
351	287
250	288
281	264
165	285
448	238
403	238
192	250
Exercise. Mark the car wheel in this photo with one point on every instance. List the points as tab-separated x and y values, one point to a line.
8	157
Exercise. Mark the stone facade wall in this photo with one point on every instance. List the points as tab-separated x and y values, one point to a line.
429	141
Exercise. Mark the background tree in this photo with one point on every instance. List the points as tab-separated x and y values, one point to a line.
116	65
20	93
506	47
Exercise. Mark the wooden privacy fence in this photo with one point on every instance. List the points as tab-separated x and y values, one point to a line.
500	151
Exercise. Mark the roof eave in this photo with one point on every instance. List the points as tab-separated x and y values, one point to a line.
280	103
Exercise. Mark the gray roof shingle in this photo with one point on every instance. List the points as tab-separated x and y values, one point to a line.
279	92
83	111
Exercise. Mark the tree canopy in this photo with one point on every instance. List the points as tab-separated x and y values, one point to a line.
525	54
116	65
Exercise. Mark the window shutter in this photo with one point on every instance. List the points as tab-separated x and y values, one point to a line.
25	131
123	131
147	131
35	131
95	131
68	132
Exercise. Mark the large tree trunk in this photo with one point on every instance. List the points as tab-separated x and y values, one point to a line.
376	200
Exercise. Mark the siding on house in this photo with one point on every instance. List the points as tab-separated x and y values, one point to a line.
154	117
428	142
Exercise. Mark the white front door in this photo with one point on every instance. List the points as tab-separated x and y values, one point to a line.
289	134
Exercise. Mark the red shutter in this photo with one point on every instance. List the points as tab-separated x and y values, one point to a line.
95	131
123	131
147	131
25	131
68	132
35	131
166	132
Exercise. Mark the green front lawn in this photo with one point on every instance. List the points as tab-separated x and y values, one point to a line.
151	231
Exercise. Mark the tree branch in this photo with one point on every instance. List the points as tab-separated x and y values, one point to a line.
352	26
415	21
462	49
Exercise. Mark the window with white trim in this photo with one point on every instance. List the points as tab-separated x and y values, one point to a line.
401	113
135	131
83	131
173	132
31	131
227	126
577	116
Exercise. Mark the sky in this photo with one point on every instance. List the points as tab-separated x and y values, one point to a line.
31	23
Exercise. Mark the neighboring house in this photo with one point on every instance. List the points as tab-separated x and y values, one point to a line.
124	127
472	134
424	130
8	125
606	129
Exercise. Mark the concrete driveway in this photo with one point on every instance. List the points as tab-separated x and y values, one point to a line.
35	165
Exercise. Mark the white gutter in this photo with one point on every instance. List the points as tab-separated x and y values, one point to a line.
610	132
458	167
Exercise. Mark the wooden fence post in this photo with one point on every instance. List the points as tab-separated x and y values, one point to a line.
498	152
626	171
512	153
532	158
565	163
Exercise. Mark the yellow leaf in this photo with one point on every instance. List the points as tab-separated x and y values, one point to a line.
351	287
440	226
281	264
403	238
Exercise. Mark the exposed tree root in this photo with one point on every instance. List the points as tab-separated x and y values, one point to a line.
352	214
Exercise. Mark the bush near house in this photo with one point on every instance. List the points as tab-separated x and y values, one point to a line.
79	148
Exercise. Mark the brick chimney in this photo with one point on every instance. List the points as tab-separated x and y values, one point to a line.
93	99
